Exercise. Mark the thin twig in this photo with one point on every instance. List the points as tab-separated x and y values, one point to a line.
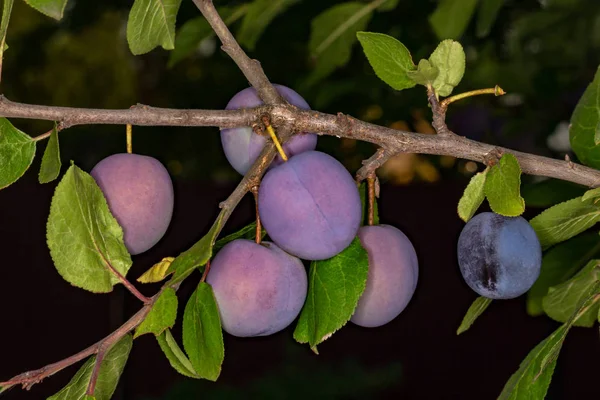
496	91
258	236
371	164
96	371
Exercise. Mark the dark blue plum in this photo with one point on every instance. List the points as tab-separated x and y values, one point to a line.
259	288
310	206
499	257
242	146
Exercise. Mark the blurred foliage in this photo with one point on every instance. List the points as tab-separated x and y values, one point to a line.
543	53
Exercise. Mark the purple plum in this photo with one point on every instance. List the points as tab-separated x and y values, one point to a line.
499	257
242	146
259	288
139	193
310	206
392	277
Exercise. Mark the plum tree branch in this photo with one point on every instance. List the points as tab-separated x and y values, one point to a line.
391	141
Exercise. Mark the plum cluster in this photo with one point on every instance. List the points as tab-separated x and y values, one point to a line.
499	257
311	209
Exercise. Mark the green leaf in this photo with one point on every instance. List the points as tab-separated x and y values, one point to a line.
195	256
51	164
247	232
532	379
565	220
162	315
16	153
388	5
389	58
175	355
561	301
550	192
4	389
486	16
449	58
6	12
473	196
559	264
584	125
451	18
365	205
425	74
259	16
502	187
108	378
591	194
85	240
334	287
194	31
332	34
52	8
151	23
477	308
202	335
157	272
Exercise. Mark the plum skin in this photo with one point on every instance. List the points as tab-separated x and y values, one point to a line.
242	146
310	206
392	277
139	193
259	288
499	257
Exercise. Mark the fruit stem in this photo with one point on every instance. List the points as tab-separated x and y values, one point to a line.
129	139
271	132
371	197
205	273
258	237
496	91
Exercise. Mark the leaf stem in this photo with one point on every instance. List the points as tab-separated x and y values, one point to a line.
205	273
95	372
271	132
371	197
496	91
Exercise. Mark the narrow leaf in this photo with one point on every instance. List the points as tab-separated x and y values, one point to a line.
6	12
51	8
486	16
202	335
532	379
194	31
388	5
477	308
591	194
559	264
332	35
425	74
108	378
151	23
157	272
85	240
550	192
51	164
565	220
162	315
451	18
584	125
175	355
473	196
390	59
247	232
561	301
334	287
259	15
16	153
449	58
195	256
365	205
502	187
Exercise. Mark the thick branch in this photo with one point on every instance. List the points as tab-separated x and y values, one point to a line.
249	67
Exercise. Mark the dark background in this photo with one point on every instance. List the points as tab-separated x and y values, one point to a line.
544	55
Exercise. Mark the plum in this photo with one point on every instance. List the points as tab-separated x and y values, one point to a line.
499	257
392	277
139	193
259	288
310	206
242	146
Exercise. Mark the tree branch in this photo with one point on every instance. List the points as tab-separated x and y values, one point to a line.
249	67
